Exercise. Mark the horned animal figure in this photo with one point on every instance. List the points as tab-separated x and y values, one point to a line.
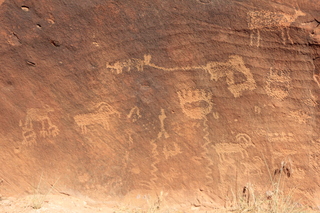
266	20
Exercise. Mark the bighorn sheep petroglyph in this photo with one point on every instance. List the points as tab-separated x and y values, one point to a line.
266	20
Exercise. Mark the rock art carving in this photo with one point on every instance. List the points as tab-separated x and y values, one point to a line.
280	137
38	115
100	116
134	114
235	65
230	69
257	110
316	78
300	116
278	83
216	115
170	153
197	104
162	132
266	20
243	142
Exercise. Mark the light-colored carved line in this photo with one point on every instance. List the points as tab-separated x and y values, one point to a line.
206	154
170	153
134	110
162	132
155	156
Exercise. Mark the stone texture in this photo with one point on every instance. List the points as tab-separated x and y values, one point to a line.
195	98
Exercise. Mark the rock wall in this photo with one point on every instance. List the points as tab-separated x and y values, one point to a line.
125	99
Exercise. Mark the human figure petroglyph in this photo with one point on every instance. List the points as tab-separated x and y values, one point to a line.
40	115
243	143
101	116
228	70
278	83
266	20
162	132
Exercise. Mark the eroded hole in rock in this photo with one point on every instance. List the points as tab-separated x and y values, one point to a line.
25	8
55	43
30	63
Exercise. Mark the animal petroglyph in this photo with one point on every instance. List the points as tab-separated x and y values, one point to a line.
270	21
243	142
278	83
300	116
162	132
280	137
101	116
170	153
195	104
134	114
238	76
38	115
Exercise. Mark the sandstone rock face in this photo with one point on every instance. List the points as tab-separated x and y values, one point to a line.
125	99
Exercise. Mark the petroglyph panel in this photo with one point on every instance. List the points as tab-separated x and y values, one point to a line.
196	103
238	77
100	116
38	115
266	20
278	83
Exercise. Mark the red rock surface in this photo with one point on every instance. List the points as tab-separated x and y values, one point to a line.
127	99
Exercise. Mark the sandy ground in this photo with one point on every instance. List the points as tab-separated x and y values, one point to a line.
69	204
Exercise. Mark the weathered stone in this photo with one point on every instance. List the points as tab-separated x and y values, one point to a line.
122	99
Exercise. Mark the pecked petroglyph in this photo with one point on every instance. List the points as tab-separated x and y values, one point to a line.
300	116
196	103
270	21
170	153
278	83
280	137
100	116
162	132
230	70
243	142
40	115
134	114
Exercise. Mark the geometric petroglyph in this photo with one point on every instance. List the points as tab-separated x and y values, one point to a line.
243	142
270	21
300	116
278	83
237	75
37	115
257	109
195	103
283	137
216	115
101	116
